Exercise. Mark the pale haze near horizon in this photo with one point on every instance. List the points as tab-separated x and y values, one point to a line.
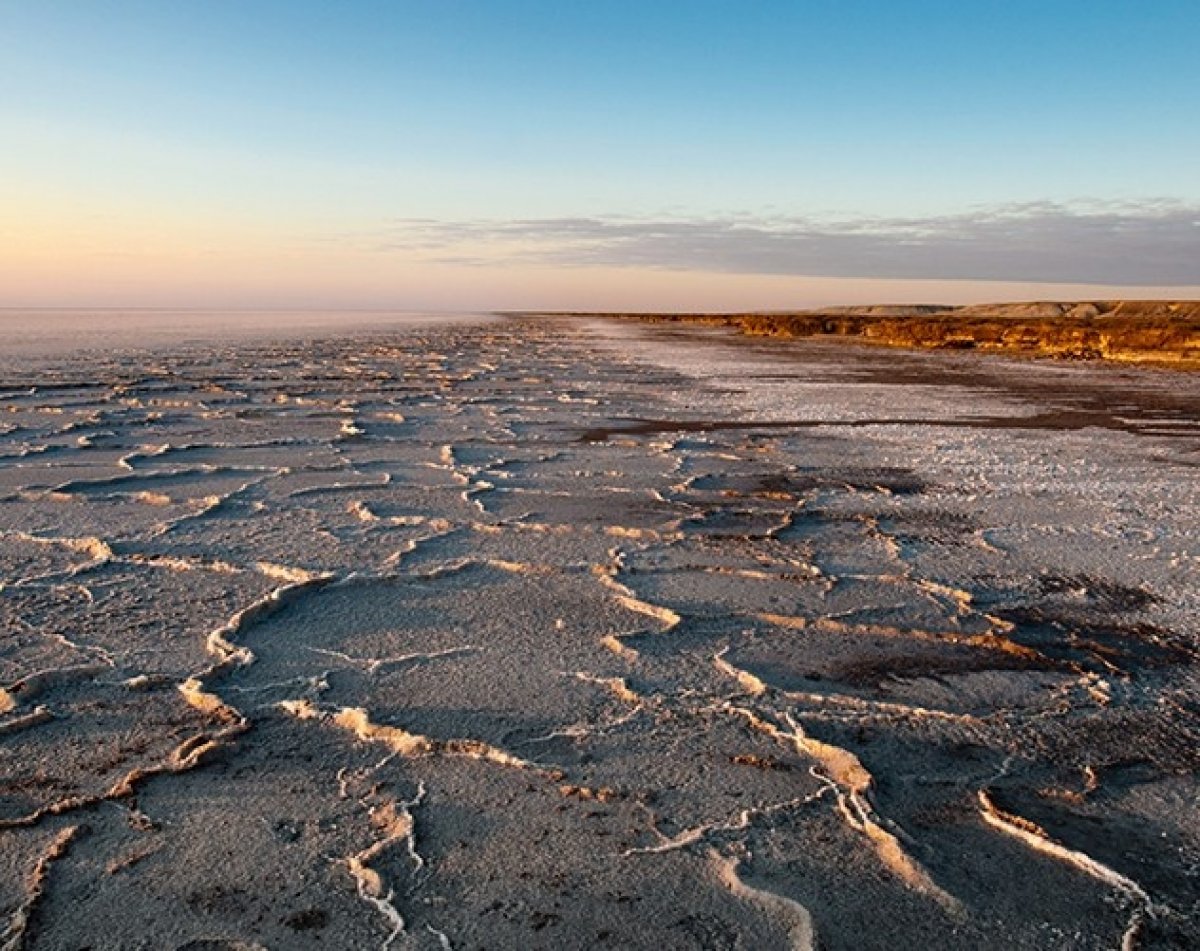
534	155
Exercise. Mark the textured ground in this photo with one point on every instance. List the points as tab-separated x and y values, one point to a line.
561	634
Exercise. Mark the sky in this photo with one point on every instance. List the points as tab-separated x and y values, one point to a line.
558	154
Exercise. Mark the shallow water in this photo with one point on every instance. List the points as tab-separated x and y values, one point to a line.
533	633
47	332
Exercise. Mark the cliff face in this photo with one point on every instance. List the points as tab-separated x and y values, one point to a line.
1162	332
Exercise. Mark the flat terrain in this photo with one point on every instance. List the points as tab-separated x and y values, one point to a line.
1165	333
552	633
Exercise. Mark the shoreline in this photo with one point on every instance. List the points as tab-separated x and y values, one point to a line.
1161	334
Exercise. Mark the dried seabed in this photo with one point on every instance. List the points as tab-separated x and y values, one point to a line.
422	643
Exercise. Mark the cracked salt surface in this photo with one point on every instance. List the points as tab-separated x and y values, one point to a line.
541	633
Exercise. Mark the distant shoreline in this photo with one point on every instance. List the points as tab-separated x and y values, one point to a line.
1153	333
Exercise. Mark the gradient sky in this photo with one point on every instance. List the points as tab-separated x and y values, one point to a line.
560	154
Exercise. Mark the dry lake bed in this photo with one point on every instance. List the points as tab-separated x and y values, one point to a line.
553	633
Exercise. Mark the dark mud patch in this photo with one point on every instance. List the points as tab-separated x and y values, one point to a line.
1097	645
807	481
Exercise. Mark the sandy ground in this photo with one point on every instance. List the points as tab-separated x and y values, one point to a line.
555	634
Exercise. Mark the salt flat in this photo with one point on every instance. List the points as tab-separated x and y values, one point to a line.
560	633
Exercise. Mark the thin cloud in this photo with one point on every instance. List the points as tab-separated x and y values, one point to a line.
1146	243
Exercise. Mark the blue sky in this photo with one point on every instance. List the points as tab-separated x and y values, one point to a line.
299	141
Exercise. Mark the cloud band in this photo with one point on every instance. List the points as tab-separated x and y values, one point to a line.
1147	243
